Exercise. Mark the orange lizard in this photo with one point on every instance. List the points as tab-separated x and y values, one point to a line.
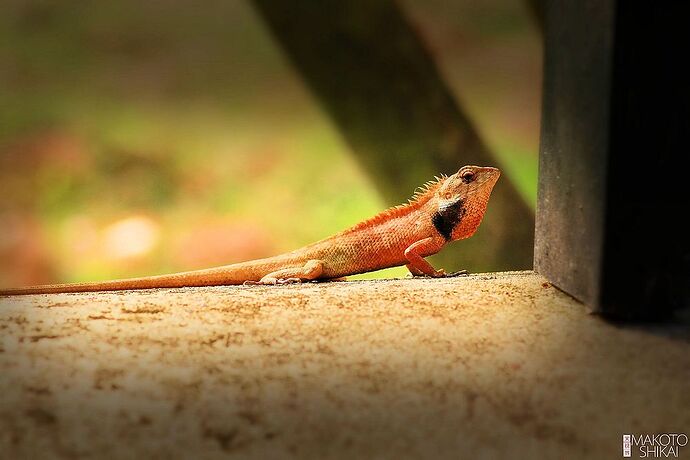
447	209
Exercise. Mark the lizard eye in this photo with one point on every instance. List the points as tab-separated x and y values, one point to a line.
467	177
447	195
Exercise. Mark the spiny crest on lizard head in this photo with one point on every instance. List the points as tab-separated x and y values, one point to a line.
421	196
468	181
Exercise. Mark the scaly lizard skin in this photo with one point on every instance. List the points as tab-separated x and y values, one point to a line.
447	209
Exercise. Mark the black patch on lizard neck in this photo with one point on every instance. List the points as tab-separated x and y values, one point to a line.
445	220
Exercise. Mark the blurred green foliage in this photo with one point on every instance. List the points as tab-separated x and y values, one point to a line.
188	122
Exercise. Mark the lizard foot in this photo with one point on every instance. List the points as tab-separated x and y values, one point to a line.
439	274
288	281
436	274
442	274
265	281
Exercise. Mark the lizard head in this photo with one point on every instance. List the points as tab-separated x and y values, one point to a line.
462	200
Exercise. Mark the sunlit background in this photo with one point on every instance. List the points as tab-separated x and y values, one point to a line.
145	137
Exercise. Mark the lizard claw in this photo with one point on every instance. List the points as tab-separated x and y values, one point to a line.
441	273
252	283
436	274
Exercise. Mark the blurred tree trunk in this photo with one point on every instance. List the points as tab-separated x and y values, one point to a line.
374	77
537	8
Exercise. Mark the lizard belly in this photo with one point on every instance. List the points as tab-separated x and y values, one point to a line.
365	253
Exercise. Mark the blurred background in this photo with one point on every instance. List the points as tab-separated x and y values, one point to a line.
147	137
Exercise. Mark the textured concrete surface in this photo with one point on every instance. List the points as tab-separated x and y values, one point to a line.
492	366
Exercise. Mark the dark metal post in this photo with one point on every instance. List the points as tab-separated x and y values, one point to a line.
614	187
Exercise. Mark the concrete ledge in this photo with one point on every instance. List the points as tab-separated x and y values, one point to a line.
487	366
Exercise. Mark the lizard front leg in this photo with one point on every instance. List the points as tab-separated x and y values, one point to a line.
417	265
311	270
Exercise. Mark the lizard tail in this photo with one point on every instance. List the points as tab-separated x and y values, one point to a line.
219	276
